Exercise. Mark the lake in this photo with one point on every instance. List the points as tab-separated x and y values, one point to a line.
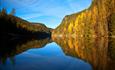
61	53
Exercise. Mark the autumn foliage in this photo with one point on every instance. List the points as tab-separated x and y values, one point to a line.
97	20
99	52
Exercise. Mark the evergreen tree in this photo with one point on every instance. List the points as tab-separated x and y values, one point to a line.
13	12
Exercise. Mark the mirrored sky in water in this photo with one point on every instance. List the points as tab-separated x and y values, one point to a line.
46	58
49	12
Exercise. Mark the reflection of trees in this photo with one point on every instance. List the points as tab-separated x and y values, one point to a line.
10	48
92	50
111	48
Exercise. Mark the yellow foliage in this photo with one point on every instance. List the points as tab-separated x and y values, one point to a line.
90	22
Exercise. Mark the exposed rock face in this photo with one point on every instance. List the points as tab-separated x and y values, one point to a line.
97	20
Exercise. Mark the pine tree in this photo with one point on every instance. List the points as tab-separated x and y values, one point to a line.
13	12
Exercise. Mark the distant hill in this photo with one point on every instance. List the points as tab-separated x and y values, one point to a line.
14	26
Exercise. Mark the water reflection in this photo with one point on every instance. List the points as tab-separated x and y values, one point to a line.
78	53
99	52
17	54
14	46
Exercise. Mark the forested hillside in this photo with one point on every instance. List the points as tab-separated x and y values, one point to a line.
97	20
11	25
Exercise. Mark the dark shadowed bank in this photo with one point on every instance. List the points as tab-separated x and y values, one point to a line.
12	26
18	35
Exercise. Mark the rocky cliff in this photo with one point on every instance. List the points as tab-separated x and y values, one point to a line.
97	20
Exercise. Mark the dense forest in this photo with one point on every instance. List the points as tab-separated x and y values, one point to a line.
11	26
96	21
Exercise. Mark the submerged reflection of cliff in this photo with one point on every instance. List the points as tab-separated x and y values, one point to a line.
99	52
11	47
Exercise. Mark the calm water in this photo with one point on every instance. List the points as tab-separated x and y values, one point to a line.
58	54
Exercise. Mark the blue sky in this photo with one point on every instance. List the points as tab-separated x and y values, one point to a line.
49	12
